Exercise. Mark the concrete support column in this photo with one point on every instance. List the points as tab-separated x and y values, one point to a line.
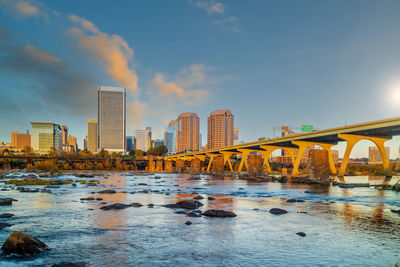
6	164
195	166
218	167
318	165
168	166
211	156
180	165
245	153
352	139
159	166
254	165
227	159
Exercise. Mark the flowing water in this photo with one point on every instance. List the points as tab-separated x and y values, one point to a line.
344	227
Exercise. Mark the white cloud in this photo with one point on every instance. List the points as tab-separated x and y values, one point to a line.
210	6
110	50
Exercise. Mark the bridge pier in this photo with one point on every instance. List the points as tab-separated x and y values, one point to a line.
255	165
168	166
318	165
243	161
195	166
210	163
159	166
218	167
227	159
352	139
151	167
180	165
6	164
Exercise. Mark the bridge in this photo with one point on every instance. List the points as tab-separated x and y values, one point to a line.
377	131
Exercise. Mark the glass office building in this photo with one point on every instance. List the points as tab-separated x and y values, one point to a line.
112	119
44	136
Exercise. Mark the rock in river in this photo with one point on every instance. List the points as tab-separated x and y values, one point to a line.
301	234
219	213
198	197
23	244
5	201
188	222
277	211
189	204
193	214
6	215
109	191
116	206
295	200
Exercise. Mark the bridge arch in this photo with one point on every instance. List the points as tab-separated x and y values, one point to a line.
352	140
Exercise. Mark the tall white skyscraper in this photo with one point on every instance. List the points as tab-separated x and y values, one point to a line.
112	118
143	139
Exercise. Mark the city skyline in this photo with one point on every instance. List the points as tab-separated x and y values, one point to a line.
283	61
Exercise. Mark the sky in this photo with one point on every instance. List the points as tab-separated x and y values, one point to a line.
272	63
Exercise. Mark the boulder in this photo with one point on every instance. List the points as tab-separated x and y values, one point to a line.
292	200
180	212
136	205
193	214
277	211
5	202
91	198
116	206
142	184
309	192
108	191
198	197
301	234
211	198
219	213
189	204
23	244
395	211
6	215
71	264
188	222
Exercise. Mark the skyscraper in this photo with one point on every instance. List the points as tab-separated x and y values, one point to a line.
85	143
20	141
170	137
129	143
44	136
187	132
112	118
64	132
220	129
235	133
374	155
14	139
73	142
143	139
92	136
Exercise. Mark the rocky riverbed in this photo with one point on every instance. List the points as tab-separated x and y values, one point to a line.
126	218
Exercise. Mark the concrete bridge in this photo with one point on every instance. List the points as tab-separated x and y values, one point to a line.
377	131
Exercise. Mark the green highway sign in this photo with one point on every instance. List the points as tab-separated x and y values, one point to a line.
307	128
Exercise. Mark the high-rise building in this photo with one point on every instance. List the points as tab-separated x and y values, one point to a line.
143	139
285	131
73	142
14	139
85	143
92	136
20	141
335	156
220	129
129	143
374	156
235	133
187	132
112	119
44	136
64	132
170	137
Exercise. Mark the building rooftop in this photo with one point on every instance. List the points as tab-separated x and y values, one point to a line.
221	112
187	114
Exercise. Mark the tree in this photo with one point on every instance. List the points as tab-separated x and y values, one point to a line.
158	151
139	154
132	153
28	151
103	153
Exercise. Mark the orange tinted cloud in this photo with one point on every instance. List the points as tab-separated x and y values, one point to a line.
111	50
186	88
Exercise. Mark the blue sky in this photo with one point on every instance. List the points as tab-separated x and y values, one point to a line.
272	63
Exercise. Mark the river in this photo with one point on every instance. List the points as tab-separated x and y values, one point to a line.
344	227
